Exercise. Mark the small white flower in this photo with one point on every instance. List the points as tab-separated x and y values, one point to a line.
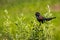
26	26
34	22
16	22
18	18
7	23
22	14
45	14
17	35
50	14
6	11
48	8
8	16
51	24
0	34
7	19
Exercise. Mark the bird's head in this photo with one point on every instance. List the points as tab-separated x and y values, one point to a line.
37	14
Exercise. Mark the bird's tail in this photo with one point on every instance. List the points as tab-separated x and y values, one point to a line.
47	19
53	17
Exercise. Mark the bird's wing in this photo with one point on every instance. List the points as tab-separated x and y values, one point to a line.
41	17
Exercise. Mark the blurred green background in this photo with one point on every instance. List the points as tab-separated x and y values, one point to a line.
17	17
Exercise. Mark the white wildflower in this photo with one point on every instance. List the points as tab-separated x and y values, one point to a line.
34	22
17	36
16	22
22	14
45	14
18	18
6	11
0	34
8	16
26	26
7	23
48	8
50	15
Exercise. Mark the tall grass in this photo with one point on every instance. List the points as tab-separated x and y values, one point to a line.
18	21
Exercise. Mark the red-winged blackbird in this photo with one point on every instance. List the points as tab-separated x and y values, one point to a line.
41	18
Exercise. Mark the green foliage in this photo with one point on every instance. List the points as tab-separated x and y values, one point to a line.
18	22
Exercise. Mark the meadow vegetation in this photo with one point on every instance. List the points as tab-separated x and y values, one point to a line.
18	21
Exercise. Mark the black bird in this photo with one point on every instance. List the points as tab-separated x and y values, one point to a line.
41	18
